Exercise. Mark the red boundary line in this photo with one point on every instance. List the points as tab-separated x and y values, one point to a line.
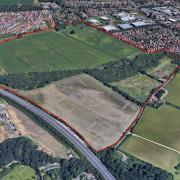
27	33
130	42
70	126
77	132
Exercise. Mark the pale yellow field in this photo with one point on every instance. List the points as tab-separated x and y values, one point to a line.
94	110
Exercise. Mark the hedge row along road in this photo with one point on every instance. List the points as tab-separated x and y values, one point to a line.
65	131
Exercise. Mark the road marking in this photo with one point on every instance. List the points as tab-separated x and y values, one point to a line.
135	135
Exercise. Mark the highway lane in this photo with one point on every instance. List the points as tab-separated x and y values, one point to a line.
71	136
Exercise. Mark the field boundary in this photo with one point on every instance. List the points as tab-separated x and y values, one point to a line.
130	42
18	36
62	120
132	125
154	142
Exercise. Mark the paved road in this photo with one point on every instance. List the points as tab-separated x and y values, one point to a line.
73	138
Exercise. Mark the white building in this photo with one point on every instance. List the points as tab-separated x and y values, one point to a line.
109	28
139	23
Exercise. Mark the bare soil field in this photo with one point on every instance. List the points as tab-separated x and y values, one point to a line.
27	127
94	110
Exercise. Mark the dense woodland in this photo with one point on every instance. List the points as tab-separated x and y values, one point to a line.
15	8
23	150
122	69
132	169
32	80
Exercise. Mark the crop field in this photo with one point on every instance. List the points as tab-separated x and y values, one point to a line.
114	48
97	112
161	125
152	153
21	173
174	91
164	69
14	2
48	51
139	86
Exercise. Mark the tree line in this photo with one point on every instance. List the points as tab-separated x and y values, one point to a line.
132	168
16	8
23	150
32	80
122	69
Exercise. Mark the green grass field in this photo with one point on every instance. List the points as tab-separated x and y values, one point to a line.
161	125
58	50
152	153
102	42
21	173
165	68
14	2
138	86
174	91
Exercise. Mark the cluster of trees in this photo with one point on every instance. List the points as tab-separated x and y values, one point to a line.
23	150
122	69
16	8
133	168
32	80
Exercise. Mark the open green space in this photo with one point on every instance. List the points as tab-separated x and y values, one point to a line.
161	125
164	69
14	2
139	86
114	48
58	50
152	153
174	91
21	173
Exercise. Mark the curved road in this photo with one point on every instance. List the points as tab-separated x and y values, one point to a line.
71	136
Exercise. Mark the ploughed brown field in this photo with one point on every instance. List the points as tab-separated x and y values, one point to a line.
94	110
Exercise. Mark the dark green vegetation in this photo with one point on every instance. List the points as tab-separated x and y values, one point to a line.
28	81
13	5
15	2
50	51
151	153
118	70
133	168
110	72
22	150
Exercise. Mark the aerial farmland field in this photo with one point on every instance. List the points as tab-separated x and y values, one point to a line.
58	50
161	125
138	86
152	153
164	69
173	88
97	112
